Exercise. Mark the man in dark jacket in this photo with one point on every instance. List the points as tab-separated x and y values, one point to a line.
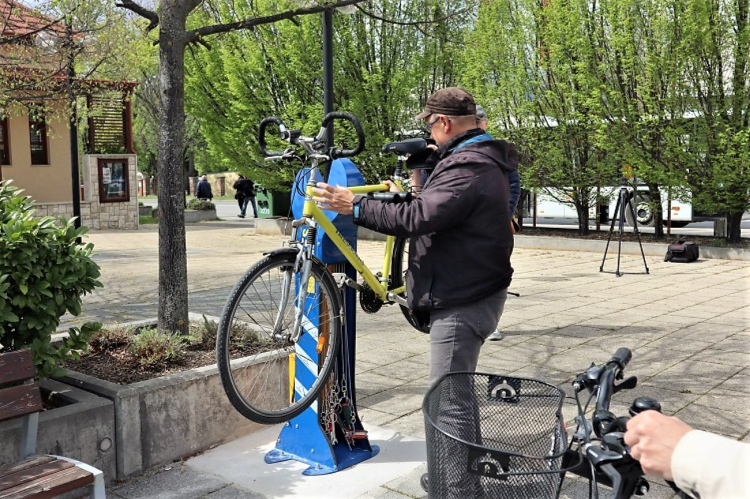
461	241
245	194
203	189
459	255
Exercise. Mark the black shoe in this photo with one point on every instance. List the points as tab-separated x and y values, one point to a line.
240	216
424	481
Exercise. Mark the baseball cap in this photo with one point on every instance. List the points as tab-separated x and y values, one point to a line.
481	115
451	101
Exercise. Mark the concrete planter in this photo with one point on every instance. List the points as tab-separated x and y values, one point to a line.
145	211
83	429
164	419
193	216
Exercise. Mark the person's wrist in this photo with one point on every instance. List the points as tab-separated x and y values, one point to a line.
356	206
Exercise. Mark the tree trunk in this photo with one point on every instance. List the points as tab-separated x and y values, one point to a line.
583	218
656	209
734	232
173	289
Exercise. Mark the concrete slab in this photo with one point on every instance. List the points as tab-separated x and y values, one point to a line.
241	463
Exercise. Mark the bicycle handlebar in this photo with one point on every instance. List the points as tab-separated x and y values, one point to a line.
311	145
622	357
285	135
343	153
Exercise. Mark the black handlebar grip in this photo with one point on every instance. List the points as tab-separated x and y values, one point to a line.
390	197
622	356
345	153
262	134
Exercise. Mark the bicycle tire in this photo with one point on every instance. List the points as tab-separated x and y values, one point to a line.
272	363
399	265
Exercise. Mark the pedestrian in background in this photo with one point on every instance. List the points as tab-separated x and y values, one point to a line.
203	189
245	195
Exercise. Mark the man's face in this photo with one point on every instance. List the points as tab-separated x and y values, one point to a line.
438	126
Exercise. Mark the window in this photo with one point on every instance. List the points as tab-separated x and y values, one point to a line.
38	136
4	142
113	180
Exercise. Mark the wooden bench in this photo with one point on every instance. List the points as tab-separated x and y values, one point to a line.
35	476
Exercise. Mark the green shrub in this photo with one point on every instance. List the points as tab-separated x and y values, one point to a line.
44	273
204	333
155	349
200	204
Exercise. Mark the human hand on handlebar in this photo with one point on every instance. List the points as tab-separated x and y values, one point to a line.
392	187
652	438
337	199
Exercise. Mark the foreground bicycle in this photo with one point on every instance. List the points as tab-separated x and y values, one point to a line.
289	302
494	436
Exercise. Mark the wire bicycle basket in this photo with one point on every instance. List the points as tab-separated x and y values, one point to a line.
494	436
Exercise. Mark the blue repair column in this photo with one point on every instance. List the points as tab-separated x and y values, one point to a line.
329	435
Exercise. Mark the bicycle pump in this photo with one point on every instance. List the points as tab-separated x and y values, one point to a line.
623	203
328	435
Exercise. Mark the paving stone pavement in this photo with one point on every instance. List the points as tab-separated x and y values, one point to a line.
687	325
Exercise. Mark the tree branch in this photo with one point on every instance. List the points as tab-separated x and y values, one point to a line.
250	23
413	23
141	11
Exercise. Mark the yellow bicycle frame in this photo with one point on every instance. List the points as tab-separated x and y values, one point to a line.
380	287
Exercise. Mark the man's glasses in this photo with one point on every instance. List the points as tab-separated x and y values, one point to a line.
427	128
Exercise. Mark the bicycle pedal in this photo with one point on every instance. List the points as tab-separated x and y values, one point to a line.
340	279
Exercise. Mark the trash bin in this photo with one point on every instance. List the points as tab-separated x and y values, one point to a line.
494	436
272	203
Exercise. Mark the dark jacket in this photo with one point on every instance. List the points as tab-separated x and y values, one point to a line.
245	188
459	225
203	190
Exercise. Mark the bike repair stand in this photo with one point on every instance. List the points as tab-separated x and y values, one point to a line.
329	435
623	203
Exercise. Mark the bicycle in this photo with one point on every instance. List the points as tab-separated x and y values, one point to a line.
514	444
266	327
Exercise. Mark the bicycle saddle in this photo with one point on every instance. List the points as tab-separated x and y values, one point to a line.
404	147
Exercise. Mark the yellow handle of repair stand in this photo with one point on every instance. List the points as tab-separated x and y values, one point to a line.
291	376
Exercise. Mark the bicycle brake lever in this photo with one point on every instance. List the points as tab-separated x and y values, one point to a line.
615	478
628	384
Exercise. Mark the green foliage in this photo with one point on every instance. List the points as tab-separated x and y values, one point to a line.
154	349
205	332
200	204
383	73
204	335
44	273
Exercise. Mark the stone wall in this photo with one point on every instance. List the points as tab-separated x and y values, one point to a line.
121	215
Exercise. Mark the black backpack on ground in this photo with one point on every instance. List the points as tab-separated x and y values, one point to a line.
682	252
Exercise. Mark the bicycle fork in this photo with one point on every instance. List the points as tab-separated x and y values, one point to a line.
303	268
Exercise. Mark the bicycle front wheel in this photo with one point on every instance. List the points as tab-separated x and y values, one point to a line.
399	267
269	376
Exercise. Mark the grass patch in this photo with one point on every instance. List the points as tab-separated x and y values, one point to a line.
146	219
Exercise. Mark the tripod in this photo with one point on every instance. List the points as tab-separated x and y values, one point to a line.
622	205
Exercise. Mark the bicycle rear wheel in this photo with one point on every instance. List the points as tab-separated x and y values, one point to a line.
268	377
399	267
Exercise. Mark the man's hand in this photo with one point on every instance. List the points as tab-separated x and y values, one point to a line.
338	199
392	187
652	438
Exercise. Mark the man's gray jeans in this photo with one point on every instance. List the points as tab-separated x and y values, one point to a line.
457	334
